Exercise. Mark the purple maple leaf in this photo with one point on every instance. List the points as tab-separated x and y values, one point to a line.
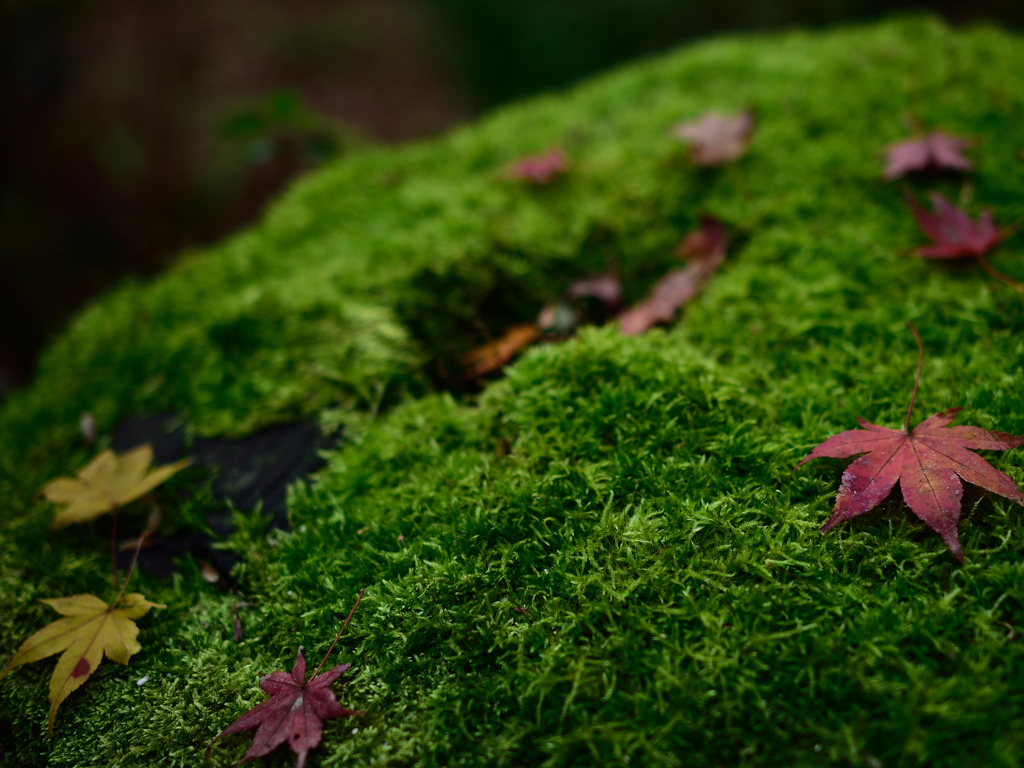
295	712
952	230
934	152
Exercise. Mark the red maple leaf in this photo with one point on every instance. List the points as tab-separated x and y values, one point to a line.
955	235
934	152
952	230
705	247
928	463
540	169
296	710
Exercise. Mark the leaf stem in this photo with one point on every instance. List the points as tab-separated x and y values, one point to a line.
131	570
338	636
1005	279
113	546
917	379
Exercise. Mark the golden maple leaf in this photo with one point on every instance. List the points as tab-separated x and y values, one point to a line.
91	629
107	482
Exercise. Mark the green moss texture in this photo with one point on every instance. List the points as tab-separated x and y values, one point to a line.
639	579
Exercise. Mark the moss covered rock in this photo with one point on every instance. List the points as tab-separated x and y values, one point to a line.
639	579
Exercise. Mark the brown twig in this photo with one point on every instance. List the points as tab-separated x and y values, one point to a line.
131	570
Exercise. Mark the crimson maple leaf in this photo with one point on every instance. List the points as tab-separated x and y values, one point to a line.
928	463
936	151
952	230
296	709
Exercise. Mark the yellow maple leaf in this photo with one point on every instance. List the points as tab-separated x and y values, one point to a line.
107	482
91	629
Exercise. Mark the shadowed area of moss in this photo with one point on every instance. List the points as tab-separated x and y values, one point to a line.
640	579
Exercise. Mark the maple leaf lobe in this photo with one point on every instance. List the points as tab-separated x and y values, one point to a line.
928	463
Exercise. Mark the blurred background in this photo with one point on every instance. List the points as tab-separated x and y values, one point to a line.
133	129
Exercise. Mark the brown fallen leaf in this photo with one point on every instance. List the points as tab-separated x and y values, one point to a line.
706	249
715	139
495	354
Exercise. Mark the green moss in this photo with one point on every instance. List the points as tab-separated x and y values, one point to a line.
641	579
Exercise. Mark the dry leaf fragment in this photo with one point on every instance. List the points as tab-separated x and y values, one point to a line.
493	355
540	169
934	152
605	288
560	319
928	462
706	247
87	426
715	139
107	482
208	572
92	628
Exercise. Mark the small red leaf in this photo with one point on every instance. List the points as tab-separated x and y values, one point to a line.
295	711
952	230
934	152
540	169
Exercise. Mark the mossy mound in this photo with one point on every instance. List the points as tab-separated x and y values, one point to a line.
640	579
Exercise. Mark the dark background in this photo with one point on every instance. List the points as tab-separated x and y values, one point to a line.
132	129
